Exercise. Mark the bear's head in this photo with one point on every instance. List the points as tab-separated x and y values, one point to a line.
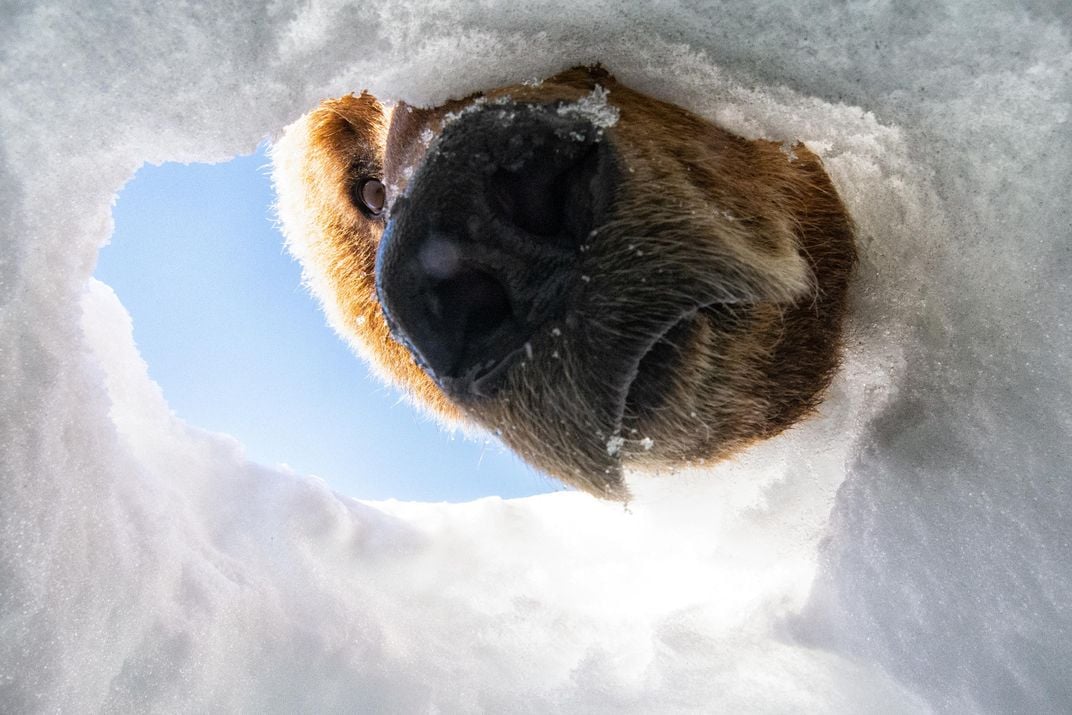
597	277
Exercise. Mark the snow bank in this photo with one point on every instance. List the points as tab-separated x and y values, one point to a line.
906	551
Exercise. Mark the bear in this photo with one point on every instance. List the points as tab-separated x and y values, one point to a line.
601	279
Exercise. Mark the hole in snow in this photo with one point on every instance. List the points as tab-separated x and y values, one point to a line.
239	346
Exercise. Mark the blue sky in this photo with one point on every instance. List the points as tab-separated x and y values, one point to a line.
238	345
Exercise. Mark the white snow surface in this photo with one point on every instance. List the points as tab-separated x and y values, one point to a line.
908	550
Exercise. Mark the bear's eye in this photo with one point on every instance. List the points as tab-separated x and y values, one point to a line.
371	195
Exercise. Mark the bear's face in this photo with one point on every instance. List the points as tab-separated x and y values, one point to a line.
597	277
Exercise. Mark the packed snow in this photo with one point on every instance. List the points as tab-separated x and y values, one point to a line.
908	550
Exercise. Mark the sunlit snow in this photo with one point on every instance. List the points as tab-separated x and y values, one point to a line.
905	551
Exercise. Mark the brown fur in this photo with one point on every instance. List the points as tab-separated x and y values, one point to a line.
698	209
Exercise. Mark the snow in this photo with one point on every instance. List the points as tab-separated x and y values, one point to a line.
905	551
593	107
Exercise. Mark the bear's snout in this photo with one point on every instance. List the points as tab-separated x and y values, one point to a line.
482	250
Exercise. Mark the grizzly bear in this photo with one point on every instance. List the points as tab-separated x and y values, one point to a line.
597	277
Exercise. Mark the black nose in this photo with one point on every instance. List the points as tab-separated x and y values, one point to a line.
484	248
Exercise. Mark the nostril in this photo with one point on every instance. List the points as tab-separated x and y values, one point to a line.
551	195
475	319
452	309
533	198
475	302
